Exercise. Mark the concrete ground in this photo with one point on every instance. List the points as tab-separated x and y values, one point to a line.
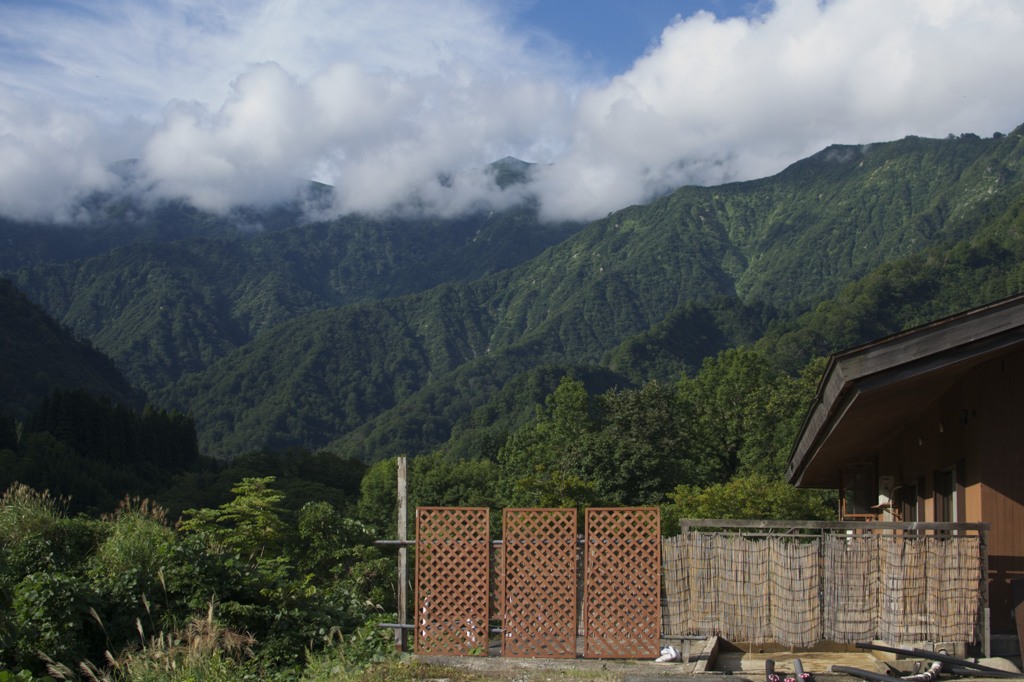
709	660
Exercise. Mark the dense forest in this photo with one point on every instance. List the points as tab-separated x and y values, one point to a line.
266	566
200	418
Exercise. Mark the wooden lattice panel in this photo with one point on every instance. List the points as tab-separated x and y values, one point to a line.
539	583
452	576
622	583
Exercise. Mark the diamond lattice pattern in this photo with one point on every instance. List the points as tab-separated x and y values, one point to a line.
540	583
622	583
452	575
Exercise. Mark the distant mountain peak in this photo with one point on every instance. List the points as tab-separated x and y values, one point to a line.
126	169
510	171
511	162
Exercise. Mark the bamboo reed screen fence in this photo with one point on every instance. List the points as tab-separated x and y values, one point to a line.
893	582
755	582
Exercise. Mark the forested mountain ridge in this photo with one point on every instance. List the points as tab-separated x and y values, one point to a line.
164	308
577	302
800	235
649	290
104	221
38	356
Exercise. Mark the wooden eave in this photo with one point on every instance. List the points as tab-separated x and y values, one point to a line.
869	393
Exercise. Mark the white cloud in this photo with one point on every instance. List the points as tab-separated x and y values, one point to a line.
42	149
245	99
238	101
381	138
725	100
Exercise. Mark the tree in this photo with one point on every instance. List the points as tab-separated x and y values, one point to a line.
440	480
639	450
750	496
378	498
44	600
135	570
745	414
255	565
250	524
542	463
727	398
8	433
338	553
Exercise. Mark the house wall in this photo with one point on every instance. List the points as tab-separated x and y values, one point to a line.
998	447
975	428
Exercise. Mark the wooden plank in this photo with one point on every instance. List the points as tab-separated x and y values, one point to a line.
539	583
687	524
622	583
452	580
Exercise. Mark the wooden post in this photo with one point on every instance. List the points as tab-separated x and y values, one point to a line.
986	623
401	639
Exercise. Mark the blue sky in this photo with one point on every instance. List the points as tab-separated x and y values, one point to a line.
240	101
609	35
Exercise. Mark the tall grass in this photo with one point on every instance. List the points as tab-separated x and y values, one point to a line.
26	512
203	651
206	651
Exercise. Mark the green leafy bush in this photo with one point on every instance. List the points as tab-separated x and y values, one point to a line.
45	604
53	613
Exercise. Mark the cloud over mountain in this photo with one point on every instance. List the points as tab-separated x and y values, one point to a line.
239	102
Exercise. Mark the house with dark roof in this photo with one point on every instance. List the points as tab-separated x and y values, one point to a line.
927	425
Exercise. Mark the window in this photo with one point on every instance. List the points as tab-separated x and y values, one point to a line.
908	502
945	502
858	495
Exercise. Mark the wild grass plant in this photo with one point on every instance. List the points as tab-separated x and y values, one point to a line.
23	509
202	651
206	651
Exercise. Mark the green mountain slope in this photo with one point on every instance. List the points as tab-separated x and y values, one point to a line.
908	292
570	304
162	310
692	331
38	357
831	218
381	339
104	222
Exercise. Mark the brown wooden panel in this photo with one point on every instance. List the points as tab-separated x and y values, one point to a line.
452	580
622	583
539	583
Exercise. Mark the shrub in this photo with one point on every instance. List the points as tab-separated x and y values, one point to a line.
53	612
127	569
44	601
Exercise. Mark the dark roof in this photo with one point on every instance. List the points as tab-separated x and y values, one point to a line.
869	392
